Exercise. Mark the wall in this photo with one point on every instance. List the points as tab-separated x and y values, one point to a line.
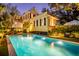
42	28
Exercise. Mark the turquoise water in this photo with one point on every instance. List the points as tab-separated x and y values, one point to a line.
36	45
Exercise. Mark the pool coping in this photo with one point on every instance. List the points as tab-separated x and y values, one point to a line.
11	50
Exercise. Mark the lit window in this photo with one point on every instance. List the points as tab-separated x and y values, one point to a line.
34	23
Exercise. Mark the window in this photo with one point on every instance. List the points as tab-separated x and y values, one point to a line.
37	22
40	22
33	15
34	23
44	21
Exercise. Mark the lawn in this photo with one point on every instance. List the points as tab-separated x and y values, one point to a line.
3	47
3	51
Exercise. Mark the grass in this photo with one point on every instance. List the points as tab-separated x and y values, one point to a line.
3	47
3	51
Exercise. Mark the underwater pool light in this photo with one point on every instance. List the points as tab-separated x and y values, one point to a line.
43	38
60	42
52	44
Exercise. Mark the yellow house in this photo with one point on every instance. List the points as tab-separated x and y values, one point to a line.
44	21
39	22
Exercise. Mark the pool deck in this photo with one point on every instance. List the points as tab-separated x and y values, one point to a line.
11	50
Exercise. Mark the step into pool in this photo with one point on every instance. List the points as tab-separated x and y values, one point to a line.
36	45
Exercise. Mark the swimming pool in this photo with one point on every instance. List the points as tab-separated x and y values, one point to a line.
36	45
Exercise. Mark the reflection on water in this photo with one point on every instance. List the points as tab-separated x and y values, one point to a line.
39	42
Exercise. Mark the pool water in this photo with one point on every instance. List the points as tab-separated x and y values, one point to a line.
36	45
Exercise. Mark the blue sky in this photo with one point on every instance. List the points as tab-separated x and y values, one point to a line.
22	7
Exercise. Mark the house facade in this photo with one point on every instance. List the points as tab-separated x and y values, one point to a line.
37	22
44	21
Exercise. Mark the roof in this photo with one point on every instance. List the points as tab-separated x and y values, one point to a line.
74	22
46	13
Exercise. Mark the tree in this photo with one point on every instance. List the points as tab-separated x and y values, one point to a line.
45	10
7	13
26	24
14	11
2	11
65	11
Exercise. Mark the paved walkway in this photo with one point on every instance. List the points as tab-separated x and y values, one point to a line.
11	50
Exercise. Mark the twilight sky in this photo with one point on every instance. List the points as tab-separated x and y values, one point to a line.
22	7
